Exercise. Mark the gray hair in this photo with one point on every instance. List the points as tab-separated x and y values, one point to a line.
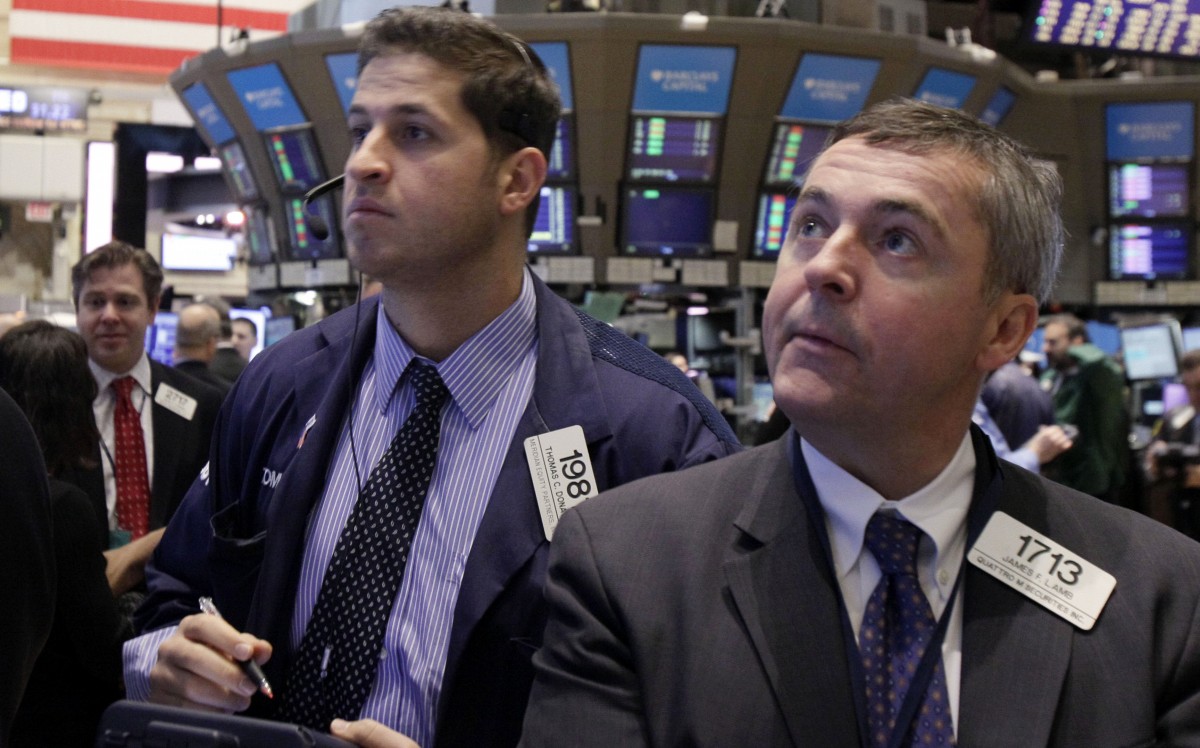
1018	203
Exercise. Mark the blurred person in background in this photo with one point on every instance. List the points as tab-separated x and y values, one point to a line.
27	574
245	338
78	673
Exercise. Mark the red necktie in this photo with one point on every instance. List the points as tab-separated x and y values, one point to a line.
133	485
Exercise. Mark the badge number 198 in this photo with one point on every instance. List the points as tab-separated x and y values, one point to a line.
561	471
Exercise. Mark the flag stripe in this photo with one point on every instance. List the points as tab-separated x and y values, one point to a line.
134	35
99	56
284	7
161	11
150	34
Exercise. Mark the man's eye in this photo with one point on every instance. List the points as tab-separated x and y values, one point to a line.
899	243
414	132
809	228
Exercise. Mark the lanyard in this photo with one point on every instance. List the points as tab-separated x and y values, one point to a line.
983	503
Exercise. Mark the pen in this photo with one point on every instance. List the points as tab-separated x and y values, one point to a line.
249	667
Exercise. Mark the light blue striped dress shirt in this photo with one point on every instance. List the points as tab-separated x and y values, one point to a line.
490	378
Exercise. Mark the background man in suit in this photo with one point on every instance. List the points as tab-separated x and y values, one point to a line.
244	336
451	123
742	602
196	339
1171	462
229	361
116	290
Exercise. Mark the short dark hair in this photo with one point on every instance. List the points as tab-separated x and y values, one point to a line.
247	321
506	88
117	254
1076	328
1018	203
1189	361
45	369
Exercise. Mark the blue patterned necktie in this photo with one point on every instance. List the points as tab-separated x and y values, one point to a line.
896	627
339	655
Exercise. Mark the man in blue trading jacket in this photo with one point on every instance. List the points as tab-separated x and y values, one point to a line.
877	577
451	122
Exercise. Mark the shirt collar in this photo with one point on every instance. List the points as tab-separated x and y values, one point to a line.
476	372
140	373
939	509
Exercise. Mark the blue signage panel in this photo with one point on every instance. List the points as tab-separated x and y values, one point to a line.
267	97
1157	130
829	88
209	119
557	59
343	70
684	79
945	88
997	109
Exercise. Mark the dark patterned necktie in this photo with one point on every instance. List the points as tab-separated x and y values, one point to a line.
896	627
129	462
339	654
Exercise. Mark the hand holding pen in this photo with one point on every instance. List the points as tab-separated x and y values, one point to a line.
249	667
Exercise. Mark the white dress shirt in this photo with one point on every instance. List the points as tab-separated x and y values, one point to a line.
939	509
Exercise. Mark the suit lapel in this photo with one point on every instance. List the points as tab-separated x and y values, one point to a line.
565	393
166	435
1015	652
304	480
788	600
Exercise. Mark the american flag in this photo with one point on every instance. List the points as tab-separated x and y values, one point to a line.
141	36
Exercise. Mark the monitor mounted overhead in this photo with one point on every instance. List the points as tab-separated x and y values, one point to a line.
1156	28
667	222
1151	352
554	228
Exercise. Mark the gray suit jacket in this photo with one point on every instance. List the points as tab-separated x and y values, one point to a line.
699	609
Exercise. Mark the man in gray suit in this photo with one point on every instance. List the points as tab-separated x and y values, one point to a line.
742	603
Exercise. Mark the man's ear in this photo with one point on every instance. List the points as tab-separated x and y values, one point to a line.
1012	321
521	177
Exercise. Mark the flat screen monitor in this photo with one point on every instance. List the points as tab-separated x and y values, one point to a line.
562	153
1148	28
210	120
1149	251
673	149
1150	351
260	237
1191	339
267	97
214	253
793	148
302	244
1104	336
554	229
1149	190
293	154
998	106
277	328
160	337
667	222
946	88
1149	130
237	172
771	224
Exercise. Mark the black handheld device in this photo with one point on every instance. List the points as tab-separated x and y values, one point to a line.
135	724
